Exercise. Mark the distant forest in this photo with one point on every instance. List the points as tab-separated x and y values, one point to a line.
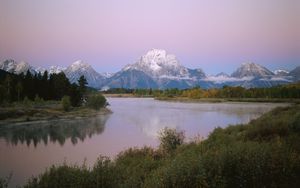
39	86
54	86
281	91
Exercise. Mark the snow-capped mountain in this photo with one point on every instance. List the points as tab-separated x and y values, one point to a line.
281	72
52	69
107	74
295	74
222	74
56	69
164	69
158	69
248	75
79	68
40	70
12	66
251	69
157	63
130	79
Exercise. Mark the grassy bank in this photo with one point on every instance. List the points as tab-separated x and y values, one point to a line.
48	110
216	100
262	153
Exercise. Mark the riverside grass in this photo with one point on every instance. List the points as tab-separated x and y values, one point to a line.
263	153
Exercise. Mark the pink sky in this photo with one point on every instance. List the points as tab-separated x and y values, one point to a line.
215	35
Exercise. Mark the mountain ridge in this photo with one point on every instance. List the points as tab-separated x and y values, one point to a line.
158	69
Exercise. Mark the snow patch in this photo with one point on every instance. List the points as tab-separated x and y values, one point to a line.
222	79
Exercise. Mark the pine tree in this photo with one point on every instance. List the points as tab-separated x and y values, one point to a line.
82	84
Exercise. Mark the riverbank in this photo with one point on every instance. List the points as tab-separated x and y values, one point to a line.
50	111
208	100
218	100
262	153
127	95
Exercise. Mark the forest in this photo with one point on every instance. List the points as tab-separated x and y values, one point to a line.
17	88
280	92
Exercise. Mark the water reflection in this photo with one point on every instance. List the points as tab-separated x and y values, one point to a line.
151	116
53	131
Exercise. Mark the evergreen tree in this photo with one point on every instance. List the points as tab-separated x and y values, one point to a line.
19	88
82	84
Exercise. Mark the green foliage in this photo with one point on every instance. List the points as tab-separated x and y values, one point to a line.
47	87
283	91
82	84
263	153
170	139
5	181
133	166
75	95
38	100
27	102
61	176
66	103
103	174
279	92
96	101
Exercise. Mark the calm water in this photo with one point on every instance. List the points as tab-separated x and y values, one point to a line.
27	149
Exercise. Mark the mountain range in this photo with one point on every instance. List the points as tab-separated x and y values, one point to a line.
158	69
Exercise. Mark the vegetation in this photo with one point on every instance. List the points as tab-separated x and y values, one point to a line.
5	181
66	103
38	87
96	101
263	153
43	97
170	139
275	94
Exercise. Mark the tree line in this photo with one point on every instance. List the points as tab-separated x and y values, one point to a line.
42	86
281	91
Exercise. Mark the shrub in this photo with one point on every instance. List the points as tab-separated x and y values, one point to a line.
38	100
66	103
134	166
5	181
61	176
27	102
96	101
102	174
170	139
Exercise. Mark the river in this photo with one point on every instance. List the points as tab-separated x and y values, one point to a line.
28	149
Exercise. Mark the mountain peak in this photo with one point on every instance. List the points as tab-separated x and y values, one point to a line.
250	69
295	73
281	72
54	69
79	68
156	53
222	74
12	66
157	63
79	64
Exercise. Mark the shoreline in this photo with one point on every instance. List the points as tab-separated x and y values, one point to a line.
24	115
261	142
221	100
209	100
126	95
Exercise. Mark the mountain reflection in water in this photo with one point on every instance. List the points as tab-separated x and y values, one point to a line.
53	131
